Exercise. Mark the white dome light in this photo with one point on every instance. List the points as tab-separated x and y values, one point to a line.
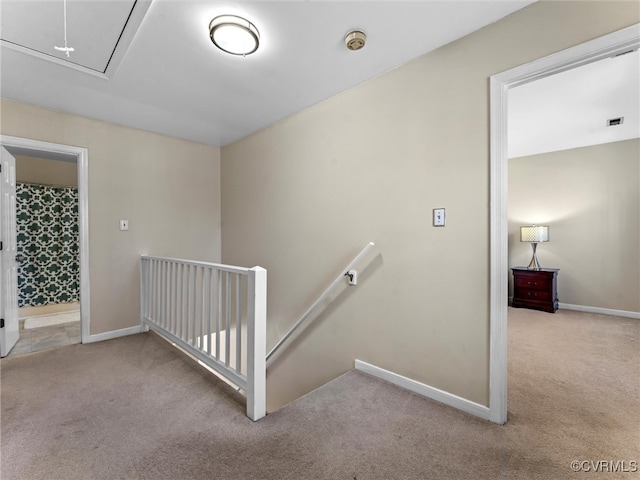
234	35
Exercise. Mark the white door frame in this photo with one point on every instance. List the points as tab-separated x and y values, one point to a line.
82	159
607	46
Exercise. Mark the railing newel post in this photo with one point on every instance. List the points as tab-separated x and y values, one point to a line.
256	344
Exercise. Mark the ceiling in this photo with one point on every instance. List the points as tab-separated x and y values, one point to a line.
571	109
151	65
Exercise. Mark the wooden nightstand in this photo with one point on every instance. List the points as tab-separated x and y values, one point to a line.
536	289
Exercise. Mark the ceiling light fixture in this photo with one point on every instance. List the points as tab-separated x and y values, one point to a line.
234	35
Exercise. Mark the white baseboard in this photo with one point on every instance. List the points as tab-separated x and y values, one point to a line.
598	310
601	311
123	332
424	390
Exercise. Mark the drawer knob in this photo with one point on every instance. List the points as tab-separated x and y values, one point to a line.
532	294
535	284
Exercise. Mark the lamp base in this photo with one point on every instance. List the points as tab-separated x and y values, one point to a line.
533	264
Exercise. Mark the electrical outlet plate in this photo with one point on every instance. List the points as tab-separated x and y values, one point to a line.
353	277
438	217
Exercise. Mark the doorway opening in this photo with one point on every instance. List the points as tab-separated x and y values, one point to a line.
72	311
609	45
47	254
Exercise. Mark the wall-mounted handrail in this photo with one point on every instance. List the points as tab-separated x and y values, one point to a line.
340	278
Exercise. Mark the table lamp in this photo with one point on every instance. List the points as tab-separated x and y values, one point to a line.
534	234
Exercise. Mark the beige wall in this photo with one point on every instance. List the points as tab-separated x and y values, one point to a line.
305	195
168	189
590	199
46	172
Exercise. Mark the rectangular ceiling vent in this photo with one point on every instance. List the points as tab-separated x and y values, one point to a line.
612	122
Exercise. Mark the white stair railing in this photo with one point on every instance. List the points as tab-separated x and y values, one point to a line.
216	313
303	322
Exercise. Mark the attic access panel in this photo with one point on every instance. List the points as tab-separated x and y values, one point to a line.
99	31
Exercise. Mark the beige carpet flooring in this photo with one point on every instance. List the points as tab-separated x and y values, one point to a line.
131	408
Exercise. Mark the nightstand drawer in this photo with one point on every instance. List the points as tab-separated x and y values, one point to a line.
536	282
539	295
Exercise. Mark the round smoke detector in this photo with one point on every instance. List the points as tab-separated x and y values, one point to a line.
355	40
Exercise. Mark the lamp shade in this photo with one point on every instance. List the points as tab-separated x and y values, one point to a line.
534	233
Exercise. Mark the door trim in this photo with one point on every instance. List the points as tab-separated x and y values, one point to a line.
607	46
82	160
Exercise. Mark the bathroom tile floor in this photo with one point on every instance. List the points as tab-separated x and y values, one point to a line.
44	338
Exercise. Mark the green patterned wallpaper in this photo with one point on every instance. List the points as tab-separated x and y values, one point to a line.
47	227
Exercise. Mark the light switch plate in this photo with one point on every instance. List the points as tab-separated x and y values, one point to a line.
438	217
124	225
